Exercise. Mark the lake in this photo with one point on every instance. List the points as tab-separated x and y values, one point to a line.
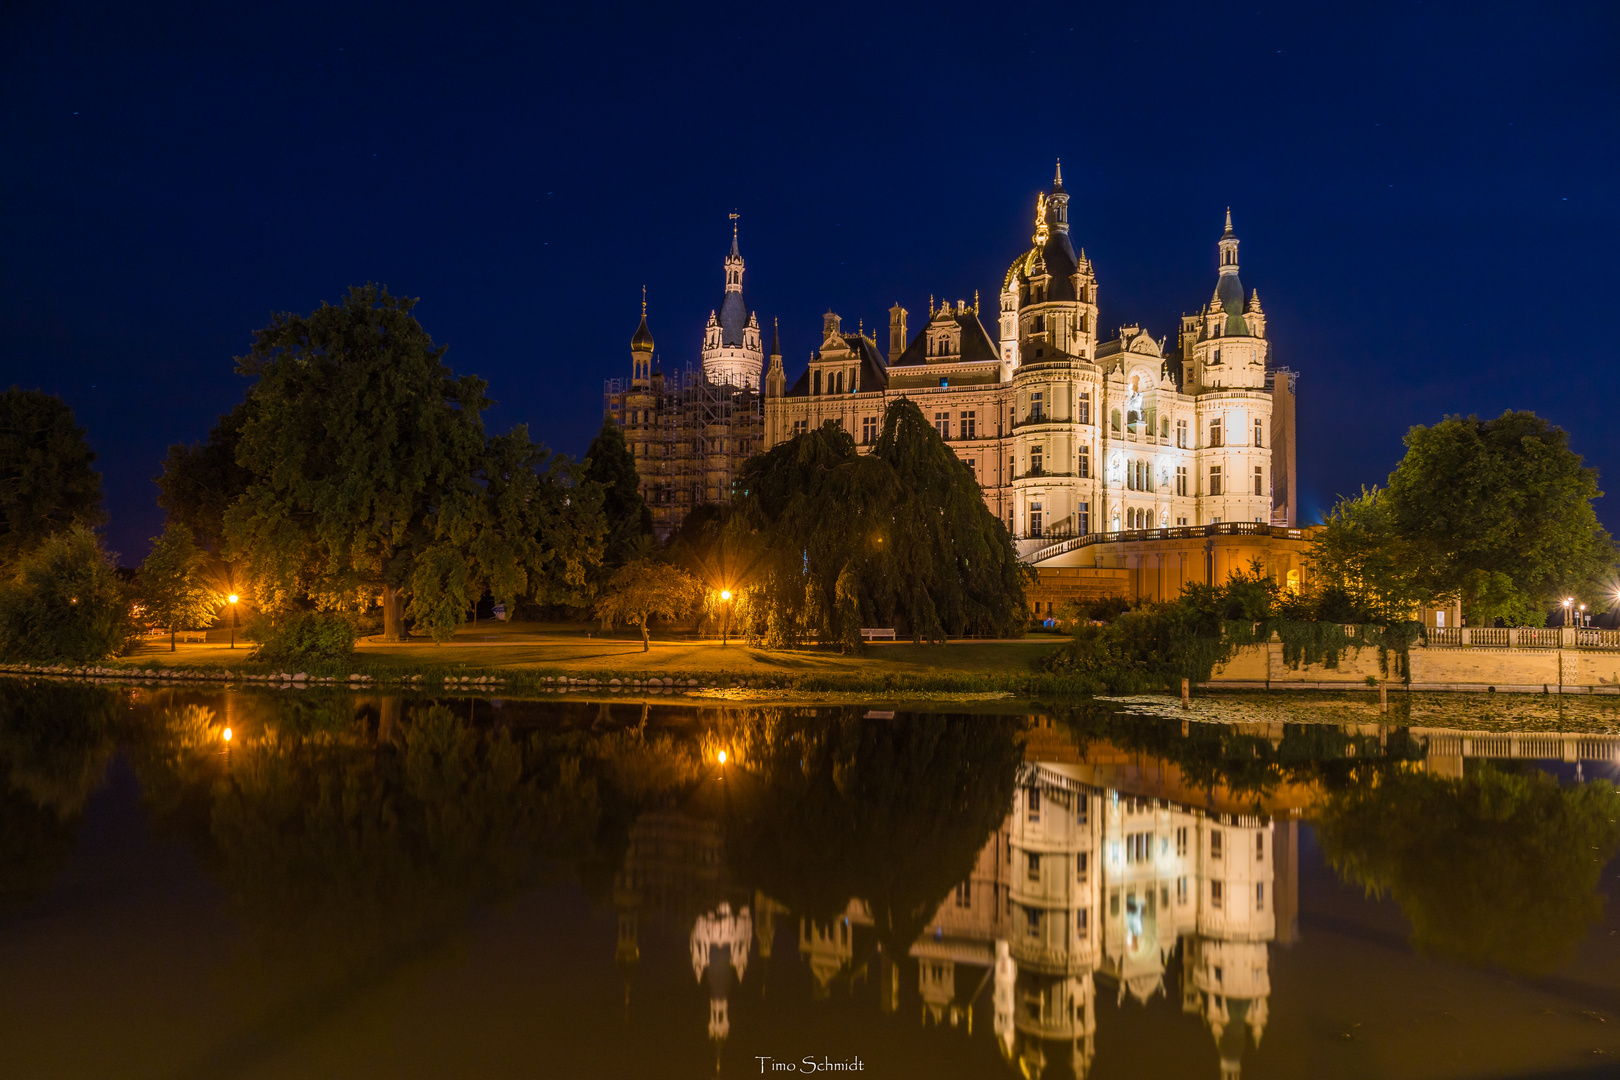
374	886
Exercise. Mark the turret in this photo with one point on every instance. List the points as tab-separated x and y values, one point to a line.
641	351
776	377
897	332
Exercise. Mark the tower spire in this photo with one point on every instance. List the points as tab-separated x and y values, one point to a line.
1057	183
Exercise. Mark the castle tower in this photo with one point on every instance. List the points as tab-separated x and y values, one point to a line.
641	351
731	341
1224	354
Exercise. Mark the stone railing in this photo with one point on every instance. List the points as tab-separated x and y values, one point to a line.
1523	637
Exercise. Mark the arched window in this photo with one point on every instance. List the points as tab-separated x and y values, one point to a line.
815	383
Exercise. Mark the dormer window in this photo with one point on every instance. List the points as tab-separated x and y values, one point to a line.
1040	324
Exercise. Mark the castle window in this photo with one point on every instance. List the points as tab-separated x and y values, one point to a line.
1181	480
968	425
815	383
1082	519
1215	893
869	429
1215	433
840	389
1257	441
1035	531
1181	434
1082	408
942	424
800	426
1164	428
1214	843
973	469
1082	463
1259	481
1215	480
1034	866
1040	324
964	895
1037	460
1113	420
1032	801
1037	406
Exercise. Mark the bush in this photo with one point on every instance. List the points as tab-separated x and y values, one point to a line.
62	602
302	637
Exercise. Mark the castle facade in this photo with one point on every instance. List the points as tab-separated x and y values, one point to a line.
1070	435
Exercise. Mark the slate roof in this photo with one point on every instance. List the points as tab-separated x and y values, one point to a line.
976	344
874	374
733	318
1060	259
642	339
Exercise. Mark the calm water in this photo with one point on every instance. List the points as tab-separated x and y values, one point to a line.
374	887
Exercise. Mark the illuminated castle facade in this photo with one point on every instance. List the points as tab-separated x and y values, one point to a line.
1068	435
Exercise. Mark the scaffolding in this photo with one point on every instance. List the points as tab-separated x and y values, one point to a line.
689	437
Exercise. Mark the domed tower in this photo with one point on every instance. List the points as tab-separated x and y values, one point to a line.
1224	350
641	351
731	341
1048	323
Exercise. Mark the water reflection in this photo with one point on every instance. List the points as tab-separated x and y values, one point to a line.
1009	883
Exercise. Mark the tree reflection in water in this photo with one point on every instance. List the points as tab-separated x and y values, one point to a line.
1493	868
55	740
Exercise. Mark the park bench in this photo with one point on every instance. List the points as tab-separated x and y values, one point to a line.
872	633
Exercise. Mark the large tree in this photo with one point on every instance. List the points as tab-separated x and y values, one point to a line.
609	462
835	539
371	474
62	600
644	588
1498	512
46	482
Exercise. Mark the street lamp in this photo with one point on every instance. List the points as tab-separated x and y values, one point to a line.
1568	600
232	598
725	619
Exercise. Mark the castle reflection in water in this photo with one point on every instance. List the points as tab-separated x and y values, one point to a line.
1084	889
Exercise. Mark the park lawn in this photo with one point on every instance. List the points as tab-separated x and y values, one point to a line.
566	649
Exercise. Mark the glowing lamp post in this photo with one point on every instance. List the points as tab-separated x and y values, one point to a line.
725	627
1568	600
232	598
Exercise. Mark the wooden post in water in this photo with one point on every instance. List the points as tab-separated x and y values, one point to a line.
1186	693
1383	697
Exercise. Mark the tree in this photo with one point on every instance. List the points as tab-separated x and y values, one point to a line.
609	462
369	473
1498	512
645	588
46	482
173	582
64	602
1359	553
899	537
200	482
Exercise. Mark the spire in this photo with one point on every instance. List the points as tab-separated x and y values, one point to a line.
1228	231
1057	183
776	337
735	254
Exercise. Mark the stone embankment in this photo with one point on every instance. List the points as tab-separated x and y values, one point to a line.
302	680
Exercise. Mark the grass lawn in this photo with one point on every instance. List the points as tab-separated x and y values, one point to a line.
582	650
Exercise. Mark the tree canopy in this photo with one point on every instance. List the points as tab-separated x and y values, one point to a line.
834	539
46	482
369	473
645	588
1498	512
63	601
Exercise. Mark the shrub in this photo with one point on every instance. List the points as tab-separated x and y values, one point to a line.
301	637
63	602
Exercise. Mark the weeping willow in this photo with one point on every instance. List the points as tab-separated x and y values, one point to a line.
900	537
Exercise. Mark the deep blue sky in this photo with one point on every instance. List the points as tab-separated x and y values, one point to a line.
1426	193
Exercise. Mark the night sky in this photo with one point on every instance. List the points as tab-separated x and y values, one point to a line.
1426	193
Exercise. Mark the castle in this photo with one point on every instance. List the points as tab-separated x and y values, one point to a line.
1074	440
